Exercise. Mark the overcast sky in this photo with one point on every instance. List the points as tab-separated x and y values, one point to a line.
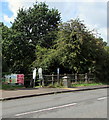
93	12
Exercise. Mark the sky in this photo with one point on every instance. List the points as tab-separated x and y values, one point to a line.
92	12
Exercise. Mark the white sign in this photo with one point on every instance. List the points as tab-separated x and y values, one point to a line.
34	73
40	73
57	70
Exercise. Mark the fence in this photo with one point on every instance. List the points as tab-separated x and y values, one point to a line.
75	78
51	79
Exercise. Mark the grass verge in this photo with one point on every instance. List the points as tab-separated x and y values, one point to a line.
55	85
86	84
11	87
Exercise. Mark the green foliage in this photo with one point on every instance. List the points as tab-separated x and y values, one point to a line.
76	50
38	39
46	58
55	85
102	65
37	25
11	87
6	32
87	84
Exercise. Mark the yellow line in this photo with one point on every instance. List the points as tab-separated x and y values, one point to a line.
71	88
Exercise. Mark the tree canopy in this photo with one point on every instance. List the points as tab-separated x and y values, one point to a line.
76	49
34	26
38	24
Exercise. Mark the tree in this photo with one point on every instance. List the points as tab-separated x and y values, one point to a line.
34	26
64	51
76	50
5	33
46	59
38	24
102	65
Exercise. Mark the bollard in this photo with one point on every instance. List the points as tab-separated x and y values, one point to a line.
66	81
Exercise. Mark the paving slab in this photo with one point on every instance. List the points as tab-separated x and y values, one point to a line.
30	92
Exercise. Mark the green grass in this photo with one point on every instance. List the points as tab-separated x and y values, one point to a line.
86	84
11	87
55	85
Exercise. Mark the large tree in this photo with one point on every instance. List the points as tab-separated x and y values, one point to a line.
34	26
81	51
102	65
38	24
6	41
76	50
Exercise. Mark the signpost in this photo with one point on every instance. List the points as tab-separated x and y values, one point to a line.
58	75
40	76
34	77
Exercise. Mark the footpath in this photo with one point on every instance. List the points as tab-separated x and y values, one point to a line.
31	92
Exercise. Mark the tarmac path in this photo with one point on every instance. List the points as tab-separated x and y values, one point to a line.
81	104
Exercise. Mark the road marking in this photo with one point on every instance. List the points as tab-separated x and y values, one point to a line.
102	98
71	88
47	109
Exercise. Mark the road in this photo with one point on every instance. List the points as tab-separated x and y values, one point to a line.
84	104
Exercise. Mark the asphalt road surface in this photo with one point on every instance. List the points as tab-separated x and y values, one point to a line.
84	104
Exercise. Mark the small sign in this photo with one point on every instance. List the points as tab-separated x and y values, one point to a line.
34	73
20	78
40	73
57	70
15	78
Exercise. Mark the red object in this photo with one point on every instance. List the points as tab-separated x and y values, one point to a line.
20	78
10	81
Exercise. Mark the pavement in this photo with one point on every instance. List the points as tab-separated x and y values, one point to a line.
31	92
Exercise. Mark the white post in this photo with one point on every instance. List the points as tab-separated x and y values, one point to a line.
86	78
76	77
40	76
58	75
52	79
34	77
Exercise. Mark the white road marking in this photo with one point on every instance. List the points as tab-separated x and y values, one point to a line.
47	109
102	98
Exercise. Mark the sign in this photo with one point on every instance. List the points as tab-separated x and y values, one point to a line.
40	73
20	78
34	74
57	70
7	78
15	78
